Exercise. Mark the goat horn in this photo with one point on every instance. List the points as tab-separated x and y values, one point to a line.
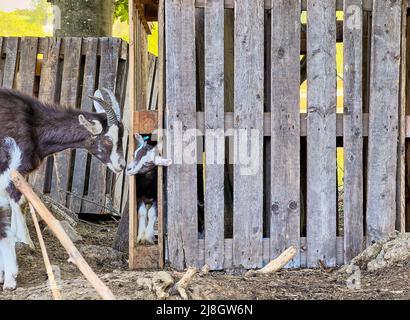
111	116
114	103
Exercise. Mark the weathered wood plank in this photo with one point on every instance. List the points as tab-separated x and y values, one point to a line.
229	124
133	221
228	264
1	60
401	159
88	86
248	124
48	93
353	129
68	99
27	66
407	150
110	50
160	96
285	138
181	108
214	122
9	71
383	121
321	133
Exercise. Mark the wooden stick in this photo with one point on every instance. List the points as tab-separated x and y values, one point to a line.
53	284
183	284
276	264
55	226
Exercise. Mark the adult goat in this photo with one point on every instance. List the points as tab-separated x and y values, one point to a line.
29	132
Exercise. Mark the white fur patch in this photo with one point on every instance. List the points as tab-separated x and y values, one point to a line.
117	161
9	259
15	162
18	225
142	222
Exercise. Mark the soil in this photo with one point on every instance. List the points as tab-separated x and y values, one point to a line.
392	282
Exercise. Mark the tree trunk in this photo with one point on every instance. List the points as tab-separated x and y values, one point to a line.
122	236
79	18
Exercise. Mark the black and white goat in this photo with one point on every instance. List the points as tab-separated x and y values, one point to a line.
146	159
29	132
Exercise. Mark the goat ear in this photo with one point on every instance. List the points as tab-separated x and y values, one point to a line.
160	161
95	127
140	140
98	107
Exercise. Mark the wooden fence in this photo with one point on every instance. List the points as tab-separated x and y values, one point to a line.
236	65
66	71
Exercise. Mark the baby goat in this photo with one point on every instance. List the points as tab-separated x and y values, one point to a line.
29	132
146	158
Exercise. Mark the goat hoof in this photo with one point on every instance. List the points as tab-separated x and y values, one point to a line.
10	285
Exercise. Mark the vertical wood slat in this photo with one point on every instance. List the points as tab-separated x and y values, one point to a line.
27	65
181	107
133	223
353	129
68	99
407	142
159	96
121	181
248	124
383	119
48	93
285	137
321	137
88	87
2	40
9	71
401	159
214	124
110	50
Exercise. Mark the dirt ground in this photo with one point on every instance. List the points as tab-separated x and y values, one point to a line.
388	283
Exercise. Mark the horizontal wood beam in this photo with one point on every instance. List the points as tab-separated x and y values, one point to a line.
229	4
43	47
228	264
303	123
146	122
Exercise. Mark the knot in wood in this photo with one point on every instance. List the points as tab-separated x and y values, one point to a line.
281	52
293	205
275	208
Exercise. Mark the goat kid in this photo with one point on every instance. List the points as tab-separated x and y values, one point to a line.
29	132
146	159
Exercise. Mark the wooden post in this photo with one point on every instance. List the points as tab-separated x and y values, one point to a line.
131	144
181	112
214	124
285	129
161	92
401	159
383	119
321	133
353	130
248	115
55	226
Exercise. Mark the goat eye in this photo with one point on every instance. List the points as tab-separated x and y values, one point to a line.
107	141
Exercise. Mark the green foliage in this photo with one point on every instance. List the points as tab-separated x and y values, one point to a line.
121	10
27	22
